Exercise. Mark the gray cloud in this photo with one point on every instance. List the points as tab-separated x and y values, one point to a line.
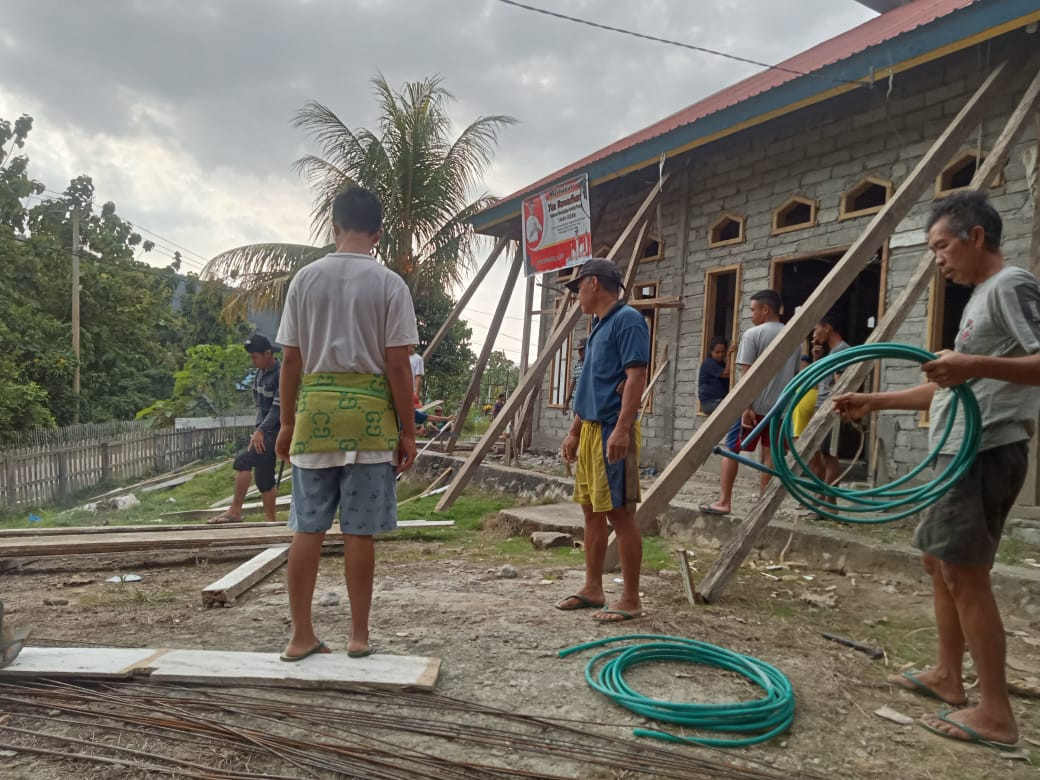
181	110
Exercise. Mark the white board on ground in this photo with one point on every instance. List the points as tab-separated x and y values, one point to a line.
331	671
94	662
335	671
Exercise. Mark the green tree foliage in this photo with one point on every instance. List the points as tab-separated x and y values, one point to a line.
210	384
500	376
448	370
424	176
131	339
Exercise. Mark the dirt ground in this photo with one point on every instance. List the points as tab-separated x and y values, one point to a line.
498	638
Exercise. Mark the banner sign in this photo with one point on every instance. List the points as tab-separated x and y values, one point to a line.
556	227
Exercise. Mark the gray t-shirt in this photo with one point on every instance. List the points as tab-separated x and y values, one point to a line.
826	385
752	344
1001	319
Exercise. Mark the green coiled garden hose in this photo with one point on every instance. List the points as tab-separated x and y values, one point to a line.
882	504
763	718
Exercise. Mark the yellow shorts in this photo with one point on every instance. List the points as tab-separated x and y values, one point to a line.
605	485
804	412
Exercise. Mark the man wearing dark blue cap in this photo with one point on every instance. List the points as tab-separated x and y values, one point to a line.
258	456
604	438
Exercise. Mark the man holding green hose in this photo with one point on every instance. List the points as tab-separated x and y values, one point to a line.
998	349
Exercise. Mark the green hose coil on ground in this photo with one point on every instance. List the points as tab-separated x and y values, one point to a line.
885	503
763	718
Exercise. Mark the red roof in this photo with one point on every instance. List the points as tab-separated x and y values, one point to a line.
865	36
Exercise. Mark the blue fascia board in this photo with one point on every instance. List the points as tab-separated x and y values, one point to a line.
961	24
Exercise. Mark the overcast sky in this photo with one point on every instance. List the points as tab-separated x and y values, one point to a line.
180	110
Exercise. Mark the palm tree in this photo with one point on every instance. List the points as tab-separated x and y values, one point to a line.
422	176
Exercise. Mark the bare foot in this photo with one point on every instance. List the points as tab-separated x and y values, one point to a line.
974	725
934	684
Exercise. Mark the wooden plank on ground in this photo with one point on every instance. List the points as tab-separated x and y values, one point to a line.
736	549
224	591
230	535
12	533
330	671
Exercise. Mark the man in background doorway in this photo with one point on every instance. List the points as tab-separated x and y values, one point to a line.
765	319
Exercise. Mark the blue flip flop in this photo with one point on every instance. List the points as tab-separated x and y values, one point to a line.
294	658
708	509
973	736
925	690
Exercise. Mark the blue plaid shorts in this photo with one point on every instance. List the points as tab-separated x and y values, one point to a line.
364	493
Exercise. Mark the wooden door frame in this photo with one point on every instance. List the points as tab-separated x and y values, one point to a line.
710	290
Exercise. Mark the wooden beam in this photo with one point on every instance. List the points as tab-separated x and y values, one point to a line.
217	536
525	339
645	399
224	591
660	302
485	352
16	533
736	550
323	671
697	450
464	299
526	385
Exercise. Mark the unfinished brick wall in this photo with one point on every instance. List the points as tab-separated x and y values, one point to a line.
817	153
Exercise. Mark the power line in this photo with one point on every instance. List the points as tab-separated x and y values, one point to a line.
680	44
169	246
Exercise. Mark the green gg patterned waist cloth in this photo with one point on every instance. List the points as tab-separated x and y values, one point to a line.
339	412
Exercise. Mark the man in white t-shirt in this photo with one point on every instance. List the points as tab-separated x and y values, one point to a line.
765	317
346	388
418	369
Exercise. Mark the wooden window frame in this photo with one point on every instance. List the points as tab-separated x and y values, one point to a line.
646	242
713	243
960	157
844	212
814	210
710	294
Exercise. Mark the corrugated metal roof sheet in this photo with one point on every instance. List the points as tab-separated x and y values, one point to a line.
865	36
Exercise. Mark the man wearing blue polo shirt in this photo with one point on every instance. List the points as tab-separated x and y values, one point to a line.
604	438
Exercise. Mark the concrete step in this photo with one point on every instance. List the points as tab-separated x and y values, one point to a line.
565	518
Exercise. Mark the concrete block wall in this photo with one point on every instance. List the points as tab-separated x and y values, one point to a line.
818	153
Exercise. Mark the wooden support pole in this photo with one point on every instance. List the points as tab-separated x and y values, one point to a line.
485	352
645	399
454	316
735	551
525	339
855	259
526	385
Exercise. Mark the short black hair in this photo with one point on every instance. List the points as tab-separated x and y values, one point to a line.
770	298
715	341
966	210
831	319
608	284
357	210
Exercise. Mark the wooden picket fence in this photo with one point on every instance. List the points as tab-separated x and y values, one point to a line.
50	466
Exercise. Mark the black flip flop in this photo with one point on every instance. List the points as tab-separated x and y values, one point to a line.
584	602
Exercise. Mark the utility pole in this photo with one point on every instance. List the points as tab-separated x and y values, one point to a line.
75	311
